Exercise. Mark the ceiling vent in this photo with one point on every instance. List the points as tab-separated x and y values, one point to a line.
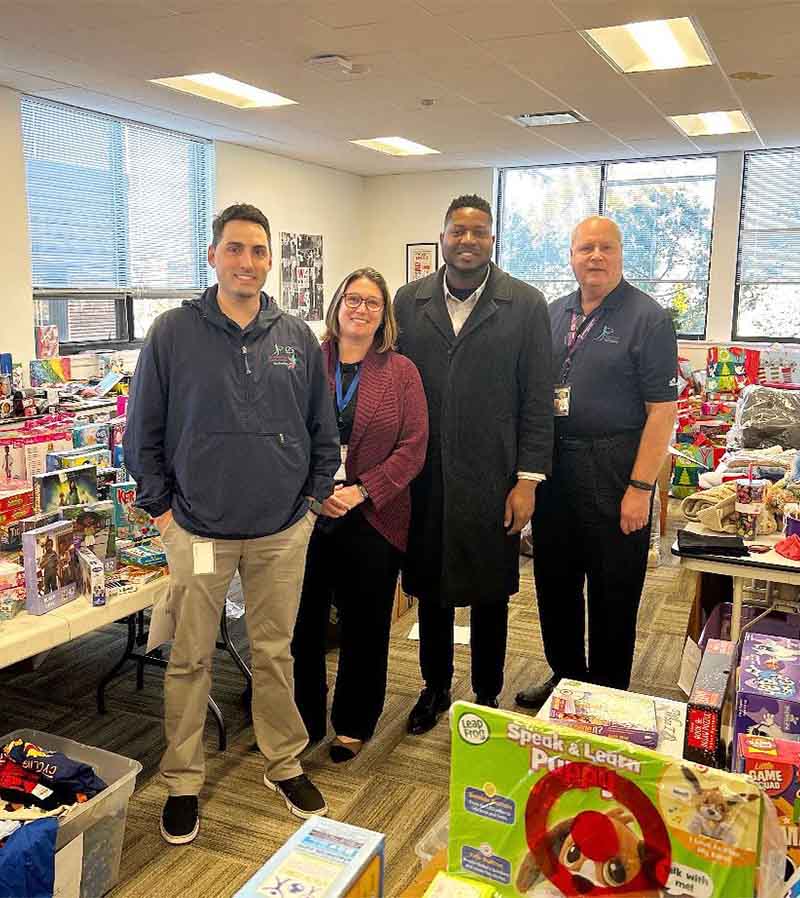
336	67
540	119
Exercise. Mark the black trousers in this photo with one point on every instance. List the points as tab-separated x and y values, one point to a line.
488	635
577	539
350	564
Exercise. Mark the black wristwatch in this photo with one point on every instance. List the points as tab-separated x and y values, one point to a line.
363	490
641	485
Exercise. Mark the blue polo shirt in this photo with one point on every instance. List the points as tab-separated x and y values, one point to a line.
629	357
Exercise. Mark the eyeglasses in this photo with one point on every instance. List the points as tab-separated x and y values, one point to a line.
353	301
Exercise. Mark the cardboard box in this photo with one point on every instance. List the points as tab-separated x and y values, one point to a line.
768	699
542	810
46	341
704	716
70	486
51	567
74	458
91	582
324	859
90	435
402	603
11	533
15	499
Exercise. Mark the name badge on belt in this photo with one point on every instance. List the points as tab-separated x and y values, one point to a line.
340	476
561	397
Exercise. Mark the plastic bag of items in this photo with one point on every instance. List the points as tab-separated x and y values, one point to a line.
716	510
765	417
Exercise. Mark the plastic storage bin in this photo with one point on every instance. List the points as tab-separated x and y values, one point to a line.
101	820
776	623
435	839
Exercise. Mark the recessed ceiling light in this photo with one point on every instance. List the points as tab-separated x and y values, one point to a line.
651	46
539	119
222	89
702	124
395	146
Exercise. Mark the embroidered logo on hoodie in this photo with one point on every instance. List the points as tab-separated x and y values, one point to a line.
284	355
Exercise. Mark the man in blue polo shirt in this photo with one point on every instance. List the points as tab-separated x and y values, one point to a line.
615	390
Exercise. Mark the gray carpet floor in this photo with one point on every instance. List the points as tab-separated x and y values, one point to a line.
397	785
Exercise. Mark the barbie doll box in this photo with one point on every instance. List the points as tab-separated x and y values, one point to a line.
323	859
546	811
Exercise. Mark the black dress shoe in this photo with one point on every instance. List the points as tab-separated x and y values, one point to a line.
536	696
431	704
488	701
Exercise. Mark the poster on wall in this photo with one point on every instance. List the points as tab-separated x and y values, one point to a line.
301	275
422	259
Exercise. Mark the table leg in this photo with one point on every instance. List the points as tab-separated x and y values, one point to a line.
736	611
213	707
227	643
101	686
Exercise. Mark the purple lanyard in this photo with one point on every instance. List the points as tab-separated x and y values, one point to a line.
575	340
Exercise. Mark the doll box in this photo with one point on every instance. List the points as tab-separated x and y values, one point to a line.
545	811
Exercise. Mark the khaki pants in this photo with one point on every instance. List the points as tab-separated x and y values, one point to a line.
271	569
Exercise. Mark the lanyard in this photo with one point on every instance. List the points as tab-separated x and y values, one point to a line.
576	339
343	401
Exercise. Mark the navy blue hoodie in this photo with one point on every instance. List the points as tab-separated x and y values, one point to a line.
230	428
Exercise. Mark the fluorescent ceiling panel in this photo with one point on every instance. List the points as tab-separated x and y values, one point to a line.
703	124
221	89
395	146
651	46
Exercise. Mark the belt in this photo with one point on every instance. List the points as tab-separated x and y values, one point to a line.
604	441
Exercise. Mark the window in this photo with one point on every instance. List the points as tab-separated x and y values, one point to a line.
664	207
120	218
768	270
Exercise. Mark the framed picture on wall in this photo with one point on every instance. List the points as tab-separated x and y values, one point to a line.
422	259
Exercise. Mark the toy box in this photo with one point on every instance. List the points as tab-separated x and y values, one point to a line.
670	719
774	765
12	601
93	528
24	454
105	478
132	522
704	715
90	435
91	577
70	486
323	859
446	885
51	567
74	458
768	699
46	341
621	715
11	534
544	811
13	500
11	575
143	556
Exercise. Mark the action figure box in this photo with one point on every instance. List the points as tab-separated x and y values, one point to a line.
75	458
767	701
69	486
774	766
51	567
620	715
670	717
547	811
94	528
323	859
90	435
91	577
704	716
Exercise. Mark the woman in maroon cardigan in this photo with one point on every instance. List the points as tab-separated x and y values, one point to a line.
356	547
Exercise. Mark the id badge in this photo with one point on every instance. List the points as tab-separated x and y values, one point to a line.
340	476
204	559
561	395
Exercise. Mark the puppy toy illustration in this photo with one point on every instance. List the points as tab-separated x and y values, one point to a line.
712	810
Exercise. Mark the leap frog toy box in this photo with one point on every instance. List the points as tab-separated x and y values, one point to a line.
323	859
546	811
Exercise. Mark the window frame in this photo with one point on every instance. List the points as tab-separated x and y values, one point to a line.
126	297
736	337
601	203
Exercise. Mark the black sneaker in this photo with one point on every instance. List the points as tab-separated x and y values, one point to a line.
180	821
488	701
302	797
536	696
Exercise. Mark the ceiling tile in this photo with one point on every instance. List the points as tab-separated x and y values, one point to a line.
508	18
687	90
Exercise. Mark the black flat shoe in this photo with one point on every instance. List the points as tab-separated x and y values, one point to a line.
488	701
430	706
536	696
344	751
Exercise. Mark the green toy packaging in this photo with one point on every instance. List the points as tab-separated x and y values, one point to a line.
546	812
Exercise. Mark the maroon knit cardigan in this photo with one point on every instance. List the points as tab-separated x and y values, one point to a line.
389	438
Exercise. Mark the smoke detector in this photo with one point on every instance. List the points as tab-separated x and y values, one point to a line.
750	76
335	66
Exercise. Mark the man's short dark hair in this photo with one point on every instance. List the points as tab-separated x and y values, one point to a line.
469	201
239	212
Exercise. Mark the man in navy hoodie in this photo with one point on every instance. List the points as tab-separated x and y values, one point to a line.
230	438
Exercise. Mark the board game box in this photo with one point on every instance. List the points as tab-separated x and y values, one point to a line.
90	435
132	522
74	458
704	716
604	712
70	486
546	811
51	567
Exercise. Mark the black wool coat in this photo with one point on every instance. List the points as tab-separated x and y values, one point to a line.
490	403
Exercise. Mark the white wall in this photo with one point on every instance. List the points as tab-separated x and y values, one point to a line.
16	302
301	198
401	209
